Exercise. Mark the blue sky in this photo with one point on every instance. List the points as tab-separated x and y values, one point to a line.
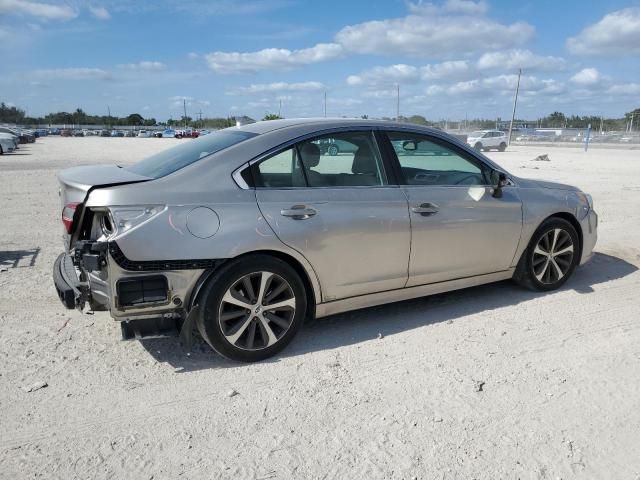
451	58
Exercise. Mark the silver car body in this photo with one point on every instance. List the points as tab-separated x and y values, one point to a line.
365	246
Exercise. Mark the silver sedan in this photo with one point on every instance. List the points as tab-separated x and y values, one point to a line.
245	232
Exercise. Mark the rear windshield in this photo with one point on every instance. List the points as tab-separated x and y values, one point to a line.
173	159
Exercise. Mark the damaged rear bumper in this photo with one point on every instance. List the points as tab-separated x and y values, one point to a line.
71	291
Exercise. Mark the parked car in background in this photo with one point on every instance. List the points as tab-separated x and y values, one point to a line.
144	133
78	133
247	231
334	146
204	131
190	133
24	136
485	140
54	131
7	143
130	133
117	133
168	133
66	132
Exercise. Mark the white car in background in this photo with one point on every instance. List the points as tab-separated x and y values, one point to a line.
488	139
7	143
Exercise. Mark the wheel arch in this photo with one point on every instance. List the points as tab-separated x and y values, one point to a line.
312	288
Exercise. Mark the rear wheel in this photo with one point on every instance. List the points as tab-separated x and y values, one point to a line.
502	147
551	257
333	150
252	308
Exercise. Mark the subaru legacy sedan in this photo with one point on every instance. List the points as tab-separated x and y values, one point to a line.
245	232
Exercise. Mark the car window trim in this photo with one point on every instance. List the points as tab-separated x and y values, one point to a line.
484	167
240	181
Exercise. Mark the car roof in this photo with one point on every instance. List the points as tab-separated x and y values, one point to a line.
322	123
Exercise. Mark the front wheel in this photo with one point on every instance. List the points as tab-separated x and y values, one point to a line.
333	150
478	147
551	257
252	308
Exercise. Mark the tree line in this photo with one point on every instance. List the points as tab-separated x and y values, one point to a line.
13	114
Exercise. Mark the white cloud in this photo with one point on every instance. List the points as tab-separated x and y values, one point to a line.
146	66
450	6
193	55
278	87
500	85
38	9
271	58
80	73
514	59
450	69
399	73
624	89
100	12
436	34
587	77
617	33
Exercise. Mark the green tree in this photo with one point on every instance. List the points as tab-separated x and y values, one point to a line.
135	119
272	116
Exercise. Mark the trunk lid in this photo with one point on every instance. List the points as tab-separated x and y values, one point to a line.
76	183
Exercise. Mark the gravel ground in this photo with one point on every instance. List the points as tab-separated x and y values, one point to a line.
490	382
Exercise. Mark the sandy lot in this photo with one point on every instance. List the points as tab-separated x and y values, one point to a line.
560	371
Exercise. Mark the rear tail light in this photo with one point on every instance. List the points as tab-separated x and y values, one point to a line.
68	215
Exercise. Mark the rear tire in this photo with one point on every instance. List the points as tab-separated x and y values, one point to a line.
237	317
502	147
333	150
551	256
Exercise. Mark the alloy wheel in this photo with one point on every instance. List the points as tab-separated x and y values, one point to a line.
257	310
553	256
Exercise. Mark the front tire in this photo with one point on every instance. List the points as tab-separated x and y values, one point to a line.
252	308
333	150
478	147
551	257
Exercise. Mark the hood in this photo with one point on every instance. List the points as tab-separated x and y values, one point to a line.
529	183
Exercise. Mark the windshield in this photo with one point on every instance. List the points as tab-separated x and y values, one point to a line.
476	134
173	159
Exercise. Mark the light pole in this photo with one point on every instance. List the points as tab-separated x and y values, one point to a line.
515	103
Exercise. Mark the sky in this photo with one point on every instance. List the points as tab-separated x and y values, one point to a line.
451	58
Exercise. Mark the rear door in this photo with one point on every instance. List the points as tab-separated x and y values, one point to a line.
458	228
339	211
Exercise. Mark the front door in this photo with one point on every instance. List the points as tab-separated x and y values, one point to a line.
338	210
459	229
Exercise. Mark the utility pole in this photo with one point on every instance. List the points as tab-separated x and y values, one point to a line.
109	117
184	106
325	104
280	108
398	103
200	118
515	103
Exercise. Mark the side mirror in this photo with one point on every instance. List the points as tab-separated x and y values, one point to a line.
498	181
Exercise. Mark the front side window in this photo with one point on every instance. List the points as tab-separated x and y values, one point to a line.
349	159
426	161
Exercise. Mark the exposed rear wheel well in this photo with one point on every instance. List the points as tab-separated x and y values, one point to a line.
291	261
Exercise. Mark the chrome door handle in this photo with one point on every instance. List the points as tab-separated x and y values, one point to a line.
298	212
425	209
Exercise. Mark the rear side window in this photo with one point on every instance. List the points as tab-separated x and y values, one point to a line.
348	159
173	159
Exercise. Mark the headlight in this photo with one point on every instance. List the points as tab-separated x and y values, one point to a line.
126	218
586	199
